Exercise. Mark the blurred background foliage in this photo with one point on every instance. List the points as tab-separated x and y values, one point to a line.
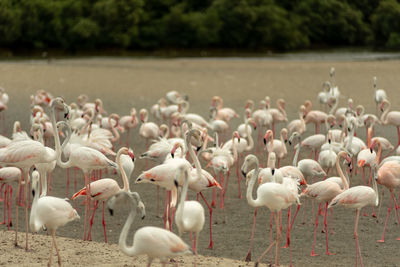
278	25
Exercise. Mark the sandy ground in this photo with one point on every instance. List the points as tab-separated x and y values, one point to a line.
126	83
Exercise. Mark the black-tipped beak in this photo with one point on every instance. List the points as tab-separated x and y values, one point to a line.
286	141
66	115
290	143
381	109
348	129
273	171
144	216
265	141
172	155
33	193
133	159
340	126
111	212
34	169
244	174
370	150
198	148
238	140
329	141
176	183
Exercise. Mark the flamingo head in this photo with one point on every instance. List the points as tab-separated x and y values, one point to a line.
236	134
267	135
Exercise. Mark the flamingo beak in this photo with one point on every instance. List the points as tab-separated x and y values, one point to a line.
361	163
303	182
131	155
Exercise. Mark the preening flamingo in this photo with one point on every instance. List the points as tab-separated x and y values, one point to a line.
379	95
151	241
50	213
298	125
104	189
276	146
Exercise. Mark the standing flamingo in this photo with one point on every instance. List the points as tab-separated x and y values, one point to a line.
189	214
276	146
314	116
379	95
104	189
324	192
356	197
298	125
272	195
9	175
51	213
24	154
129	122
392	117
152	241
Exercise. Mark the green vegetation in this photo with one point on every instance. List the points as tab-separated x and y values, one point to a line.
278	25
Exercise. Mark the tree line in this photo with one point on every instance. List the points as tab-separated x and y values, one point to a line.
279	25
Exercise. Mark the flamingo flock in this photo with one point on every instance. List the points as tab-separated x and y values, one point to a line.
188	152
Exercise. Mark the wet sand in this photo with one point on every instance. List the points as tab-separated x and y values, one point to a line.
126	83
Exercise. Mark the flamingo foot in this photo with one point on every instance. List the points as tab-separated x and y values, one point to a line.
211	245
365	214
248	257
213	204
374	215
330	253
313	254
380	241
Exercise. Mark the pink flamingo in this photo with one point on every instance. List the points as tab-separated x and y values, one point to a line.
278	114
104	189
379	95
87	159
151	241
263	118
324	192
389	176
51	213
272	195
298	125
3	106
277	146
148	130
223	113
189	214
314	116
129	122
26	153
356	197
392	117
9	175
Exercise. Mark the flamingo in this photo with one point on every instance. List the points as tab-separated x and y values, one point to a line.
189	214
174	97
24	154
327	158
87	159
276	146
272	195
392	117
324	192
3	105
223	113
278	114
389	176
9	175
129	122
151	241
379	95
324	96
104	189
308	167
263	118
298	125
314	116
356	197
148	130
51	213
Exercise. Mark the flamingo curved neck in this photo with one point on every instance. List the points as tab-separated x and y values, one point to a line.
384	118
249	194
57	155
179	210
114	131
296	156
129	250
250	143
340	172
122	171
60	163
193	155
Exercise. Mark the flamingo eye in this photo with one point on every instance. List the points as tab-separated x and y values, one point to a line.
152	180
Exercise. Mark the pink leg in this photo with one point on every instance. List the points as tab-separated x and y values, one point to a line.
398	135
66	193
239	178
5	204
226	188
104	226
288	229
358	249
127	137
315	231
9	224
248	257
326	230
382	240
291	225
89	236
210	209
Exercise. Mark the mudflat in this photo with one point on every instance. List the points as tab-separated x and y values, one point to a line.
139	83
